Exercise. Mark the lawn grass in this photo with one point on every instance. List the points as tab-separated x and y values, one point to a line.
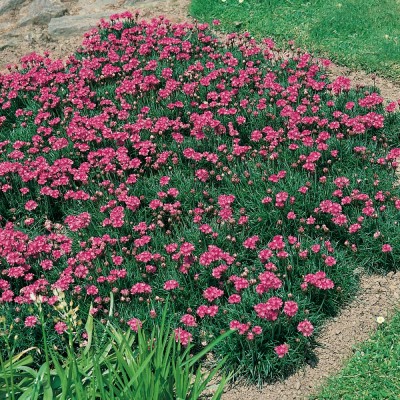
358	34
374	370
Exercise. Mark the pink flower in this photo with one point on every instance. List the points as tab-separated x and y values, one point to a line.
270	309
92	290
330	261
282	350
31	321
241	328
202	175
47	264
171	285
187	248
164	180
225	200
30	205
182	336
239	282
268	281
290	308
218	271
234	299
29	221
135	324
77	222
257	330
189	320
291	215
171	248
315	248
141	288
318	280
251	242
354	228
243	220
117	260
386	248
173	192
204	310
212	293
60	327
341	182
305	327
266	200
265	255
277	243
250	336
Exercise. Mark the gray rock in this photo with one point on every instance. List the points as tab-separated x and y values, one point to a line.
140	2
11	42
40	12
5	26
95	6
103	3
7	5
72	25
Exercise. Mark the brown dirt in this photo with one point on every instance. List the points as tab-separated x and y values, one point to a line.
36	39
389	90
378	295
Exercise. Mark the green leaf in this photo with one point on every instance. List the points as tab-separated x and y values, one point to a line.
89	330
191	361
59	370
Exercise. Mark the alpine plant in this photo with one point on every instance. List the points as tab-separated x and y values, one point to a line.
159	161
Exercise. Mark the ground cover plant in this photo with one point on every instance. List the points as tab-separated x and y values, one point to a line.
358	34
162	161
373	371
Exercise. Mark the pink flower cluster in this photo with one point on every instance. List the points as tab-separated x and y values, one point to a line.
160	163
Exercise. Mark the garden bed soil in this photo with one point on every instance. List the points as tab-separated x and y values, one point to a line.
378	296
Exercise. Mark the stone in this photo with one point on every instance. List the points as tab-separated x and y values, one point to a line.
139	2
94	6
40	12
5	26
73	25
104	3
7	5
11	42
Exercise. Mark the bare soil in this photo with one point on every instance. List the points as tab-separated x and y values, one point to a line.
390	91
378	295
36	38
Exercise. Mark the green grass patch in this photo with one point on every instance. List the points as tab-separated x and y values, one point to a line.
374	370
358	34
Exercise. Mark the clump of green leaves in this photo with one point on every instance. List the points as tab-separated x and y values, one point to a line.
114	364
